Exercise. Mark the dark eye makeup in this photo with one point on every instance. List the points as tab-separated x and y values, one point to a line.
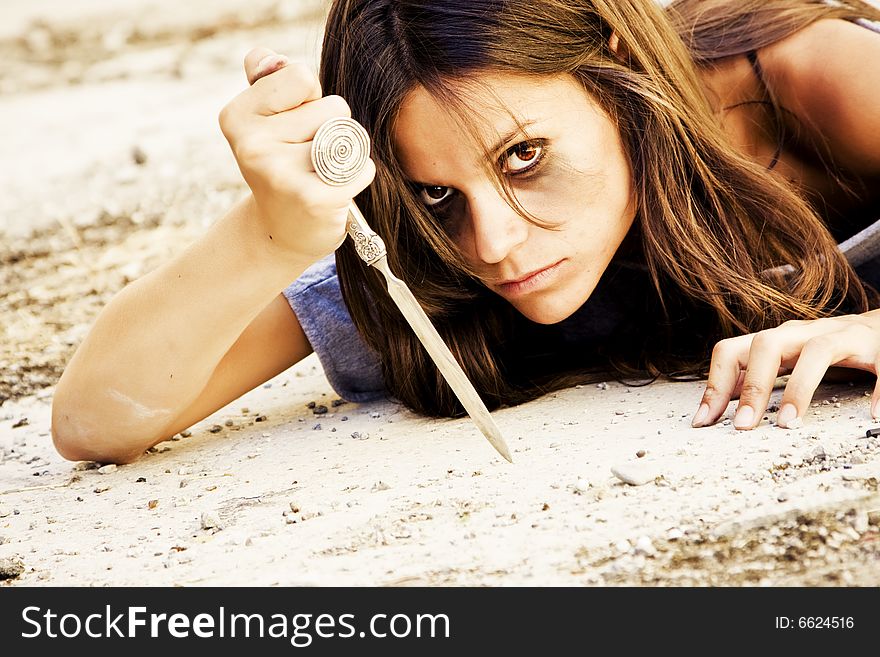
520	160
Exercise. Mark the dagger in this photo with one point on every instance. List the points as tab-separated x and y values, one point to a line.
339	152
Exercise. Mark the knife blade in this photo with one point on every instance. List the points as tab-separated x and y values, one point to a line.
371	248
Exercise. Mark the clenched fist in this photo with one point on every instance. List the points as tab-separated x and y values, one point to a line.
270	127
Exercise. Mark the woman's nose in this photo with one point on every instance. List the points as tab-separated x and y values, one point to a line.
497	227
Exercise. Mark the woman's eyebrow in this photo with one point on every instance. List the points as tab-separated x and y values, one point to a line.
519	130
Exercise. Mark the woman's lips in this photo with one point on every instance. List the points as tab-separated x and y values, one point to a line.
531	282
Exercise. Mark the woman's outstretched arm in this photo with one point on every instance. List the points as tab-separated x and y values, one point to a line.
179	343
199	331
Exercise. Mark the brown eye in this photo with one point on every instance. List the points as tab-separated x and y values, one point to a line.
522	157
434	195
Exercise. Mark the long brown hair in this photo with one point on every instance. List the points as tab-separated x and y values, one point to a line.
710	223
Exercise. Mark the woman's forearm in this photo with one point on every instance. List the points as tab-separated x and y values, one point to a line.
156	344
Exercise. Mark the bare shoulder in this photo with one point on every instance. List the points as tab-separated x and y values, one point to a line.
829	74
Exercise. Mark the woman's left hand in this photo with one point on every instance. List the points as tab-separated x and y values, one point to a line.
748	366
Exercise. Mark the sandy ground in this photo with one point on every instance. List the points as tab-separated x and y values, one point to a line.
113	162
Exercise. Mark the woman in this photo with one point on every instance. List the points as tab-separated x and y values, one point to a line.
569	191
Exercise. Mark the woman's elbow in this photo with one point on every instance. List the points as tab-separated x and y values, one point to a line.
77	440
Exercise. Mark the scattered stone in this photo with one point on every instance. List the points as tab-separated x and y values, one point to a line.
10	568
360	435
210	520
317	427
86	465
545	507
5	511
602	386
337	402
107	469
260	418
645	546
818	454
23	422
229	423
782	497
294	507
378	486
634	474
641	453
375	415
861	522
216	429
623	545
140	480
186	433
581	486
152	504
320	410
674	534
554	445
311	405
184	471
245	410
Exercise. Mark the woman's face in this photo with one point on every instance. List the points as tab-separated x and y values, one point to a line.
567	168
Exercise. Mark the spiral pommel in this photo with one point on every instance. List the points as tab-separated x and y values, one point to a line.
340	150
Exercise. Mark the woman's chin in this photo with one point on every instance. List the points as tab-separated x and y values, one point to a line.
543	311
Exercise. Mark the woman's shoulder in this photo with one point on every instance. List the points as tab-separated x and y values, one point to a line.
828	74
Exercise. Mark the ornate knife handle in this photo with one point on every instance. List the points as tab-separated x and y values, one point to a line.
367	243
340	150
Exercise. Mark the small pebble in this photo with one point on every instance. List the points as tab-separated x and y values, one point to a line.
210	520
319	410
186	433
260	418
378	486
311	405
107	469
782	497
375	416
602	386
216	429
674	534
152	504
5	511
228	423
645	546
641	453
23	422
337	402
10	568
140	480
360	435
634	474
581	485
317	427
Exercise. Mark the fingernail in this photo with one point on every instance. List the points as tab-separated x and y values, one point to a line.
700	418
787	417
269	63
744	417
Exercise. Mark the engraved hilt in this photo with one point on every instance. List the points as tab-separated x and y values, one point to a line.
367	243
340	150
